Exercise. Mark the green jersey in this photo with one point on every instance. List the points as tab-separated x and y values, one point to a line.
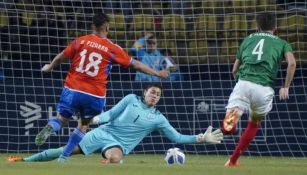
260	54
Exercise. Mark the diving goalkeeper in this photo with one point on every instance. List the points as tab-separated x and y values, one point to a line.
126	124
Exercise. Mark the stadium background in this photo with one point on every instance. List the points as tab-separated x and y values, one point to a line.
203	36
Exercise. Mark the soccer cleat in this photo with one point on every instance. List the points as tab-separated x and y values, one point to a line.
105	161
230	164
42	136
62	159
14	159
230	122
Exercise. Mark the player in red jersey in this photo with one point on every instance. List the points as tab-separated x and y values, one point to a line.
84	91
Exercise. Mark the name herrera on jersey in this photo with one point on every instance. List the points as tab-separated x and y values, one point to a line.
97	46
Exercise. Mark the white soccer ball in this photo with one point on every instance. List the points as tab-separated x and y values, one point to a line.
167	62
174	156
203	107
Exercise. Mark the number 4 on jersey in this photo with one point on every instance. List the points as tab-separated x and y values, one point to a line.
258	50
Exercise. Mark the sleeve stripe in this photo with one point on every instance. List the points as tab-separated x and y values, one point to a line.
131	61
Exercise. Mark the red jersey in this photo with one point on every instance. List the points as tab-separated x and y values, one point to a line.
91	59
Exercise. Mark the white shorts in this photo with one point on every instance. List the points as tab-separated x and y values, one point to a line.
251	97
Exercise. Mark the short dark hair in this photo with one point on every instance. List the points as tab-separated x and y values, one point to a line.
151	39
266	21
100	19
157	85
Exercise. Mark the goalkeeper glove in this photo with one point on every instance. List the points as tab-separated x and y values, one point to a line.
210	137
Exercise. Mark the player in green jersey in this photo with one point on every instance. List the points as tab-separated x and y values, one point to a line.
256	69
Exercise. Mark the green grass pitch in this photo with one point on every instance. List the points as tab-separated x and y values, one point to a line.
155	165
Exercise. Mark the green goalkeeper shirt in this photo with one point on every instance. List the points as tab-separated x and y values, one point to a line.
260	54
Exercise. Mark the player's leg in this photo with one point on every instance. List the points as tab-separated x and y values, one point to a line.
247	136
52	126
74	139
113	154
65	111
238	103
47	155
89	107
231	119
99	138
261	104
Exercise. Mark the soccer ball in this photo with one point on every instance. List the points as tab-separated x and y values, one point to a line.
174	155
167	62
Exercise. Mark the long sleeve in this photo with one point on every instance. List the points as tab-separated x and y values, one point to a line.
115	111
171	133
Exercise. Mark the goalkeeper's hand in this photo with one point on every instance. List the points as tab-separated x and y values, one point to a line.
210	137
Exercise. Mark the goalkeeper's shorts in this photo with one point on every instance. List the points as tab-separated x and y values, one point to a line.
97	139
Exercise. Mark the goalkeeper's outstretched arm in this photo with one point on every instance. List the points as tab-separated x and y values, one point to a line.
207	137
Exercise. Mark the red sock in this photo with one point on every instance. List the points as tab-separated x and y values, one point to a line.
247	136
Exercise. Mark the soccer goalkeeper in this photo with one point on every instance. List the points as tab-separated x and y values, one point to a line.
127	123
256	69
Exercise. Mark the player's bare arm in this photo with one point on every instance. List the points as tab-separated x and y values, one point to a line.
139	66
55	62
284	91
235	68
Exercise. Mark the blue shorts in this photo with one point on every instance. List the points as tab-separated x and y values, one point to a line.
74	102
96	139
